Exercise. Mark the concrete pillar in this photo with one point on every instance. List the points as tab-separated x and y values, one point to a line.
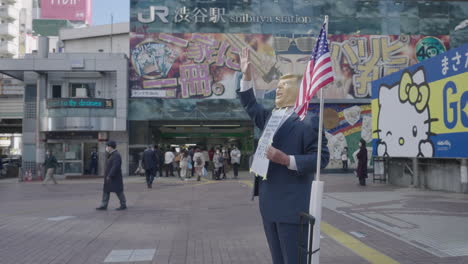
464	175
43	51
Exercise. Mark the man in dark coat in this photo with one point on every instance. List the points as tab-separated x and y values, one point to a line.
150	164
113	178
361	170
160	156
93	167
292	162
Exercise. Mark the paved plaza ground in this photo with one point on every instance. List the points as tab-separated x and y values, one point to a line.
215	222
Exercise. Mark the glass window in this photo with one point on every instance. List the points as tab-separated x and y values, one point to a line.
56	91
57	150
72	168
83	90
72	151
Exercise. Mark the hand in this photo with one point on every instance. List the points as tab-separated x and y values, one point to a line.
277	156
245	64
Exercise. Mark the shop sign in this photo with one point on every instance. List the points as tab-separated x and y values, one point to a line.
79	103
422	111
5	141
72	135
74	10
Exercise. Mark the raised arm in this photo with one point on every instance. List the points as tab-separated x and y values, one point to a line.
256	111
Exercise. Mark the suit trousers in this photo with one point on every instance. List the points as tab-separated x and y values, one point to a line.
283	240
150	174
106	196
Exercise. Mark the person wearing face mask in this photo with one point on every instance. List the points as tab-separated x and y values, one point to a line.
113	181
50	164
292	155
218	161
235	160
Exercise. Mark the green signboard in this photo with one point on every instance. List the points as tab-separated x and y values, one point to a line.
80	103
49	27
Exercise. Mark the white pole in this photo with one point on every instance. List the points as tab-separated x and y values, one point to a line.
316	193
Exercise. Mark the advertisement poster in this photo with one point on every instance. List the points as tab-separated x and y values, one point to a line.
74	10
422	111
345	125
204	65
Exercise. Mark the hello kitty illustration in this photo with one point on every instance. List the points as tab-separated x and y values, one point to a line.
404	122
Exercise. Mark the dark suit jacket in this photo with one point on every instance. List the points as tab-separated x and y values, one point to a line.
150	160
113	173
286	192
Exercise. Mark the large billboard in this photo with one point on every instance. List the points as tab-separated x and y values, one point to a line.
422	111
204	65
177	49
74	10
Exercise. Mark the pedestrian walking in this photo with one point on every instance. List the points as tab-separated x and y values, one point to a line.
198	163
50	164
176	163
150	164
184	161
225	162
206	158
235	160
361	170
168	159
344	159
218	161
93	165
113	181
211	153
160	156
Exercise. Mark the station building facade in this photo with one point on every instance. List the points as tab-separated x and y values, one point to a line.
183	66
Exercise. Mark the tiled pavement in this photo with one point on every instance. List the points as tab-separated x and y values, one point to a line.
201	223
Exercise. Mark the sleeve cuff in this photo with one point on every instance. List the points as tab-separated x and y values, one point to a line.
292	163
245	85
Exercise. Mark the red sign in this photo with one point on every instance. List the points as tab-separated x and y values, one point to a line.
75	10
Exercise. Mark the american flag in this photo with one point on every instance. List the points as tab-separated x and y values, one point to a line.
319	72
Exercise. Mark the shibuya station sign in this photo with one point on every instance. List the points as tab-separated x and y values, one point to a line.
212	15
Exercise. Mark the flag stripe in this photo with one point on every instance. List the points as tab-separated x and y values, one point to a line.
319	81
319	72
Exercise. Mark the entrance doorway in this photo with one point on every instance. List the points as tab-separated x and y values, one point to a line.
88	148
73	156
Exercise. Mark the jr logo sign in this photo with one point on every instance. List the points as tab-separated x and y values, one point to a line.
161	11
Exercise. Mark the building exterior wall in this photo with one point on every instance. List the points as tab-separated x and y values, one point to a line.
433	174
120	44
369	39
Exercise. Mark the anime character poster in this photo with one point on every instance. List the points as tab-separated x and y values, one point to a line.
192	65
203	65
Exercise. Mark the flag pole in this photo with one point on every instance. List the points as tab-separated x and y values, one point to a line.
315	206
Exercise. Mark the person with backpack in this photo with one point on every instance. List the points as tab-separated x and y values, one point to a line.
198	163
218	161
